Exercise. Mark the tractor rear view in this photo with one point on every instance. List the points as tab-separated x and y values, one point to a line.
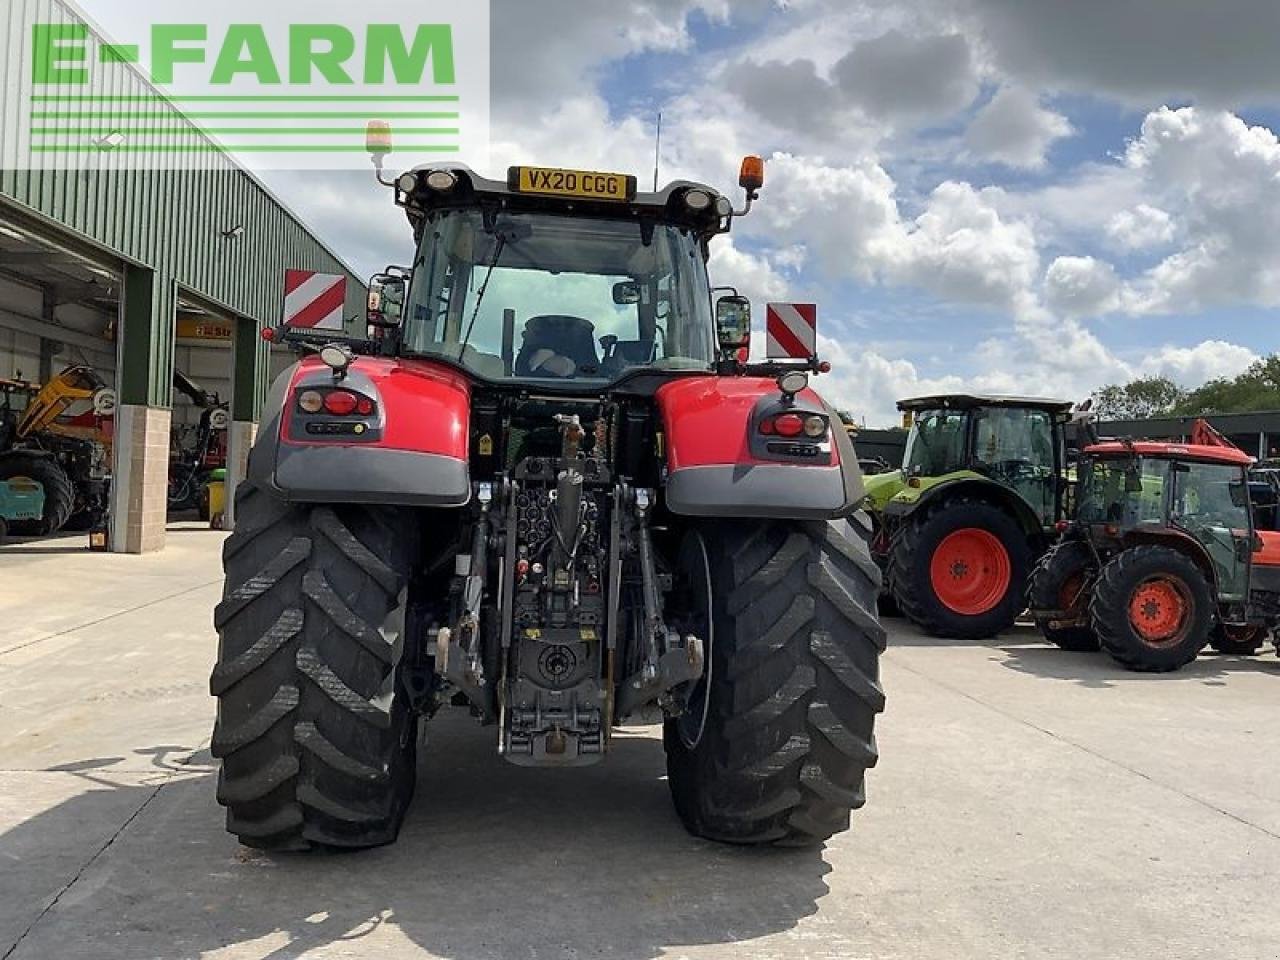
1163	558
547	492
961	525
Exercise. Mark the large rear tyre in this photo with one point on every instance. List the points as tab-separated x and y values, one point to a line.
959	568
1060	582
781	750
314	730
1151	609
59	492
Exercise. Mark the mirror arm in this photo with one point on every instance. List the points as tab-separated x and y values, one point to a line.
378	171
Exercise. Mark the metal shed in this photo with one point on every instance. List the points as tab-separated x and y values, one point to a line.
108	257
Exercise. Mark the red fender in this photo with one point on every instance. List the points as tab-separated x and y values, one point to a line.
413	450
719	467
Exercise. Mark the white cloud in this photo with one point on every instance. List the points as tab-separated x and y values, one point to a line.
1015	130
1221	179
1081	286
961	249
1141	228
752	275
1139	52
900	76
1193	366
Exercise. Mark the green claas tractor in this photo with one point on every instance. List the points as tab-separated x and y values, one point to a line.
960	526
1164	557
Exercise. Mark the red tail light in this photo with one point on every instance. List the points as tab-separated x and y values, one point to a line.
789	425
340	403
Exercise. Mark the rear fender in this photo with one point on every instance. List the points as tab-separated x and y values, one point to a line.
976	487
720	465
411	451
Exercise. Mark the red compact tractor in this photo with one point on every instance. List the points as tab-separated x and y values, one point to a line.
1163	557
547	491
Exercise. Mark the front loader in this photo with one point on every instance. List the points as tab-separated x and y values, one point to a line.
546	491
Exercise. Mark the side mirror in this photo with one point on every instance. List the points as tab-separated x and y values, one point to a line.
386	300
733	323
627	293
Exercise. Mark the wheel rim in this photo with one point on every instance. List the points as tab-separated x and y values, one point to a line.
692	724
1070	592
1159	611
1245	635
971	571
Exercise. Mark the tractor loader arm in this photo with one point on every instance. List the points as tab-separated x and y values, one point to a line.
74	383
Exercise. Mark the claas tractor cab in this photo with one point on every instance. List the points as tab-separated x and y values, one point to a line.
69	457
546	490
960	526
1163	558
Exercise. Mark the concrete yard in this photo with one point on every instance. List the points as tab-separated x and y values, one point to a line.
1029	803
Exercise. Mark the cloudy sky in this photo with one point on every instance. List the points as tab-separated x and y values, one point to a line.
1013	195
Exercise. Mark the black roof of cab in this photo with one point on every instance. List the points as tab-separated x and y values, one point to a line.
967	401
665	206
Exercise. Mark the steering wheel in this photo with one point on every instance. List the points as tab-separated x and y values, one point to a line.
1014	470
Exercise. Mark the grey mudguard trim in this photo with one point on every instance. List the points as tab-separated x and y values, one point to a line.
782	491
854	491
368	475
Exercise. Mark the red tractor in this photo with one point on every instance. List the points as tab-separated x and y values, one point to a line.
1163	557
548	491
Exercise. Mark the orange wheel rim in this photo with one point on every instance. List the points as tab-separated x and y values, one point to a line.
1240	634
1159	611
1070	592
971	572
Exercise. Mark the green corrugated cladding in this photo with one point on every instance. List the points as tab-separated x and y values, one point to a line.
168	224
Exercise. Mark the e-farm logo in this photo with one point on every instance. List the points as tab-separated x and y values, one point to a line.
301	91
316	51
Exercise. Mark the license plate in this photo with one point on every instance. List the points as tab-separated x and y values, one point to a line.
581	184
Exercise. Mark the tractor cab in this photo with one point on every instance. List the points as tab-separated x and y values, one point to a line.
1017	442
560	280
1198	495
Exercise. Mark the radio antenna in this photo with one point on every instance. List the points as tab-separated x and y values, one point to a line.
657	153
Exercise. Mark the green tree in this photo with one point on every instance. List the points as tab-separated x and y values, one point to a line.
1139	399
1258	388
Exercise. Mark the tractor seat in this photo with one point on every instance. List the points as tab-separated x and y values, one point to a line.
566	336
1269	554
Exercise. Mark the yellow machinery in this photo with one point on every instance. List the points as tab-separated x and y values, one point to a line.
68	459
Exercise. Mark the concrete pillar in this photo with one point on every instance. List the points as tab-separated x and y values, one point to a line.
140	485
140	481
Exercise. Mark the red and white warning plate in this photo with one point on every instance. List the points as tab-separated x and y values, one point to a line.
791	331
314	301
